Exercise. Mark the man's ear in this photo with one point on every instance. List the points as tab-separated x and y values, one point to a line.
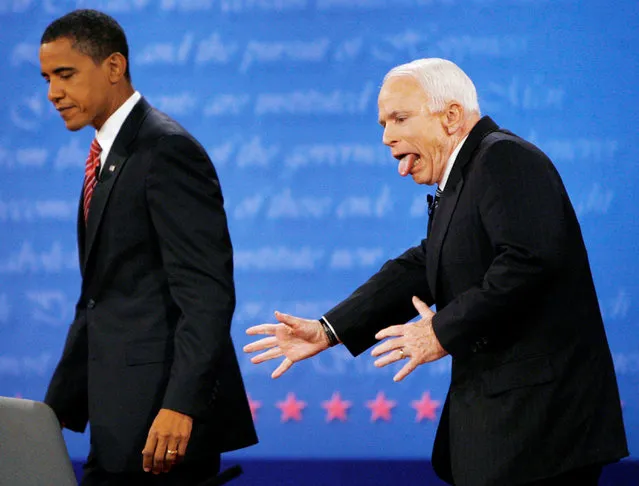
453	117
116	67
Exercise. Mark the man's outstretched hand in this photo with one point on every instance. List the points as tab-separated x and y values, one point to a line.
294	338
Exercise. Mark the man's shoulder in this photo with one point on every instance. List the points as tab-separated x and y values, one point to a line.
503	152
503	136
158	124
504	141
158	128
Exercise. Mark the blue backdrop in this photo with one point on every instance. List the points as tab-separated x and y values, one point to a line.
282	93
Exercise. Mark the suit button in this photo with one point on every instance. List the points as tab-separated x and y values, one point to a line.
91	304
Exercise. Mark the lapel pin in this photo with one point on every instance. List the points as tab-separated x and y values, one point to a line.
111	168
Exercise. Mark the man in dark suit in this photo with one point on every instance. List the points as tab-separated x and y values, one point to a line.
148	360
533	397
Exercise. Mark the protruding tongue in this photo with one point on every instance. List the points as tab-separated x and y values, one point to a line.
406	164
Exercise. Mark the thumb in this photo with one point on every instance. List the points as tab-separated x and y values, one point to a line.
290	321
421	307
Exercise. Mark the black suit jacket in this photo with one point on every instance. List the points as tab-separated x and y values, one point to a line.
533	391
152	324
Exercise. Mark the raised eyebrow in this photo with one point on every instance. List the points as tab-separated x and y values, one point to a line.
392	116
397	113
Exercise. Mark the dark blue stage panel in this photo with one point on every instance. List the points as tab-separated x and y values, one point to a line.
283	95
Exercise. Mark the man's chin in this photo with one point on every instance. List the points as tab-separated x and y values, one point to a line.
420	179
74	126
75	123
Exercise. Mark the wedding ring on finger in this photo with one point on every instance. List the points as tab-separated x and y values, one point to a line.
170	452
402	355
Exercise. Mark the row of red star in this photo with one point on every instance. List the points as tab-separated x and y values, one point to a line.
336	408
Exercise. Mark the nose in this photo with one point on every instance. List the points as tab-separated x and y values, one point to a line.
388	137
55	93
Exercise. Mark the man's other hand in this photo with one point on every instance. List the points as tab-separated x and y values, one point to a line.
167	440
415	342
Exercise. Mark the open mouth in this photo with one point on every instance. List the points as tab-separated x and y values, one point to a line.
407	163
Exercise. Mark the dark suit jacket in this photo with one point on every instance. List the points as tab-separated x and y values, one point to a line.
152	325
533	391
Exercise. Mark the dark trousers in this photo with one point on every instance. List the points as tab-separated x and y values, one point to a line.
585	476
189	474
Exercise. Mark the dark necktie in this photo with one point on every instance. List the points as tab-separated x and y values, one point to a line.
91	168
433	204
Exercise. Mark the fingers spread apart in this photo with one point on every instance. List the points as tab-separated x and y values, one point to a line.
267	355
282	368
262	329
260	345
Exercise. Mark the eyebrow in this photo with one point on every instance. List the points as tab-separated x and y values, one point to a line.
393	114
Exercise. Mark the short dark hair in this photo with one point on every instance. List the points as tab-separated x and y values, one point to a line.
93	33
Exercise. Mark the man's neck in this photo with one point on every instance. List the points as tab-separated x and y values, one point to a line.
467	126
120	95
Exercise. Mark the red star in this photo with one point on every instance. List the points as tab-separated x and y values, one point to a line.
255	406
380	407
426	408
336	408
291	408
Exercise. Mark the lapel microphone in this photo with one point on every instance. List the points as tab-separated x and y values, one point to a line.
98	173
433	202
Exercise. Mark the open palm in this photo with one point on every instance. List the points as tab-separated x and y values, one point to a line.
294	338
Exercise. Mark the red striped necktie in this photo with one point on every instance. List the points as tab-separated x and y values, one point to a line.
91	169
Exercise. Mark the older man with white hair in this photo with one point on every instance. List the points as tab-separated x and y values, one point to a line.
533	397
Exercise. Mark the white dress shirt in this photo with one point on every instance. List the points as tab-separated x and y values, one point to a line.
107	133
450	163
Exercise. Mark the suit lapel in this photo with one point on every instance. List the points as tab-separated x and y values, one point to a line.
117	158
449	198
447	204
81	232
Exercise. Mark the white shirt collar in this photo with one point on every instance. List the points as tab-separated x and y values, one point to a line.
107	133
450	163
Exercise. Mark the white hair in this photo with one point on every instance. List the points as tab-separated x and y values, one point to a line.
442	80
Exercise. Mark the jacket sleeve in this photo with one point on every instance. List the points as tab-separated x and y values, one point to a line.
67	393
385	299
186	208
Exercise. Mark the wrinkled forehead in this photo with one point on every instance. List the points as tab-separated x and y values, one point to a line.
401	92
